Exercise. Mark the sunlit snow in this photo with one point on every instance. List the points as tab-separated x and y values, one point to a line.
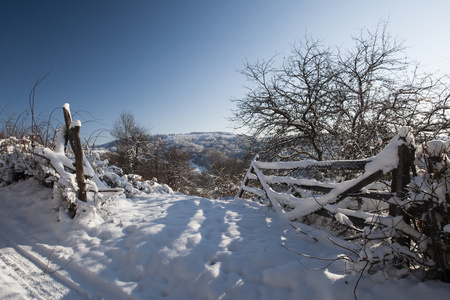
174	246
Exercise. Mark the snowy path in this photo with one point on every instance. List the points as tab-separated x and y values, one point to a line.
31	270
20	278
24	274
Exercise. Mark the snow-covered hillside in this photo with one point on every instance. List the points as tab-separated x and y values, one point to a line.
228	143
233	145
199	146
172	246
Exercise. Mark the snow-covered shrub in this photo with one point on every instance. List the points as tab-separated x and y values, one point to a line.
417	238
20	159
17	161
429	205
132	183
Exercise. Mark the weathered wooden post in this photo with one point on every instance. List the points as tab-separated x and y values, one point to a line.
73	133
401	176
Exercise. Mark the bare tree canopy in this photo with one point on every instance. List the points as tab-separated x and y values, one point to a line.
132	140
127	130
324	102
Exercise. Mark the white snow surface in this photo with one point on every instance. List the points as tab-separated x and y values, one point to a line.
436	148
447	228
174	246
386	160
76	123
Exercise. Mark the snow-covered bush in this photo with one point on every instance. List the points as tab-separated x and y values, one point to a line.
429	205
20	159
416	238
131	183
17	161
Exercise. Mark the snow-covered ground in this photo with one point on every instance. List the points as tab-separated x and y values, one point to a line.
20	278
174	246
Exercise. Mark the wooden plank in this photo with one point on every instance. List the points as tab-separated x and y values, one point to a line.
373	195
314	165
250	175
315	188
116	190
255	191
360	184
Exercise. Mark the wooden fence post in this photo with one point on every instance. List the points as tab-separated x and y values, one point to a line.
401	176
246	178
73	133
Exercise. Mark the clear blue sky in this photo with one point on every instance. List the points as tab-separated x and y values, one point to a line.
174	64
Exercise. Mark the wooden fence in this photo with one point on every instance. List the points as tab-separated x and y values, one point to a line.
395	158
414	220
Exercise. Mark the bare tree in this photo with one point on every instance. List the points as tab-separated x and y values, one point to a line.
223	174
132	141
326	103
177	170
12	124
154	166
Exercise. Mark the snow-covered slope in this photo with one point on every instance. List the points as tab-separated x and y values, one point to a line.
228	143
174	246
233	145
198	144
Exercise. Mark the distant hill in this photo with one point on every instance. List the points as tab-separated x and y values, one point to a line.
199	143
231	144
